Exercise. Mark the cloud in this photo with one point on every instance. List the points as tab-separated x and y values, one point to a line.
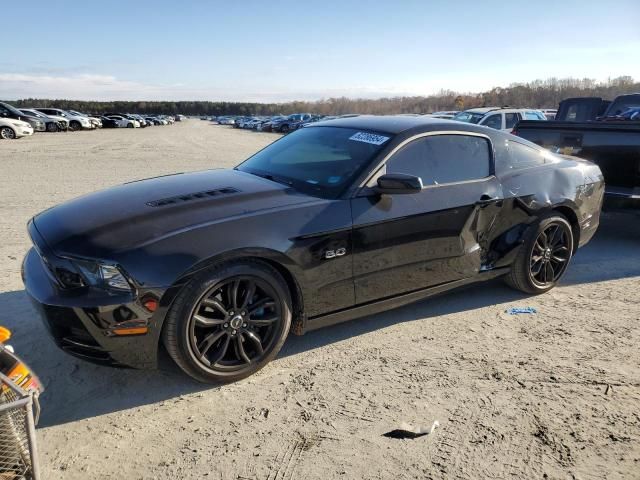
107	87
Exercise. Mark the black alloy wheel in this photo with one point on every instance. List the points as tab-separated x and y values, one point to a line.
74	126
550	254
229	322
235	323
544	256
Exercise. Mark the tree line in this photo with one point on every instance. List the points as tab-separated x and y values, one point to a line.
536	94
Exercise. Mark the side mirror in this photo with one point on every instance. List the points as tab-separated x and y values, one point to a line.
398	183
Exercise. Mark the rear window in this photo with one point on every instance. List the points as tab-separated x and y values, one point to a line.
517	156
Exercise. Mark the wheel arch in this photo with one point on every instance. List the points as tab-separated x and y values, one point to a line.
277	260
567	211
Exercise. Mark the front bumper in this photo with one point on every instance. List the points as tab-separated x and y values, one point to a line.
82	321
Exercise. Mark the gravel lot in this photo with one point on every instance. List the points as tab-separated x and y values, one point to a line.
551	395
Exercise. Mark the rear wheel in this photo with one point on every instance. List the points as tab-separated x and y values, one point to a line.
229	322
544	257
7	133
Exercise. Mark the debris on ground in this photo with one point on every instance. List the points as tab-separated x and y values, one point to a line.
407	431
521	310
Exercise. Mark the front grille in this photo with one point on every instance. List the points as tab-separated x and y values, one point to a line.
192	197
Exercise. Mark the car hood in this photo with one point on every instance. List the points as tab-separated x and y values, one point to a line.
128	216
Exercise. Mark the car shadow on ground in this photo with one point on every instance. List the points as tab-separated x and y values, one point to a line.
76	389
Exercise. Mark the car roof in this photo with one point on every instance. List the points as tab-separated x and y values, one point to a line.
394	124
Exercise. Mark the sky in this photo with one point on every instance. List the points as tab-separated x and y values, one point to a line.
280	50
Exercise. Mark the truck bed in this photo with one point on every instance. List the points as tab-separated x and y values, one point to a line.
614	146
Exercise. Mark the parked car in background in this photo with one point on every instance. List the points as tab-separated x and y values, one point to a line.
141	120
124	122
499	118
284	125
76	122
95	121
11	128
53	123
108	122
10	112
268	125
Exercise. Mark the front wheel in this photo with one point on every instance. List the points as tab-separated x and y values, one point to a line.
229	322
544	256
75	126
7	133
130	125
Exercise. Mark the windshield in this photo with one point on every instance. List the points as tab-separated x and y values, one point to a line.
468	117
33	113
319	161
623	103
13	109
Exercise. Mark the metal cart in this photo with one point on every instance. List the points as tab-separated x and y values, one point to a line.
19	411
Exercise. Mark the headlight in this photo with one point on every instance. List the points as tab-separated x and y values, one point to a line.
103	275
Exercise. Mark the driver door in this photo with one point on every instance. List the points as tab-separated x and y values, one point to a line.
407	242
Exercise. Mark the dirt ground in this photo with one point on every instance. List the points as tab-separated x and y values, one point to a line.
550	395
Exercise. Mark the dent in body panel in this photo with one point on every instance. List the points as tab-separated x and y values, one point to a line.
407	242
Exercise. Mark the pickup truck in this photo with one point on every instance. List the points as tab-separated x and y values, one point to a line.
609	139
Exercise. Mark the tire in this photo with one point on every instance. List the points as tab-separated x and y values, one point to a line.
217	321
74	126
539	266
284	128
7	133
52	127
130	125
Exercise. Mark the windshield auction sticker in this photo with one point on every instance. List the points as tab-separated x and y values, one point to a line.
371	138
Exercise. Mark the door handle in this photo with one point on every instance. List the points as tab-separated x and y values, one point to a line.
485	198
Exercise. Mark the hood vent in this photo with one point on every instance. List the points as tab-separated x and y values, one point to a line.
192	196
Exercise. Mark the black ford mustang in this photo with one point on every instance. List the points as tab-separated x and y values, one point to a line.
340	219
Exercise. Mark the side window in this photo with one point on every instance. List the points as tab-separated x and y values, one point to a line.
523	156
494	121
510	119
441	159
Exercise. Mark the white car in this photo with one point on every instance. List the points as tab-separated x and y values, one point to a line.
500	118
95	121
11	129
76	122
123	122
